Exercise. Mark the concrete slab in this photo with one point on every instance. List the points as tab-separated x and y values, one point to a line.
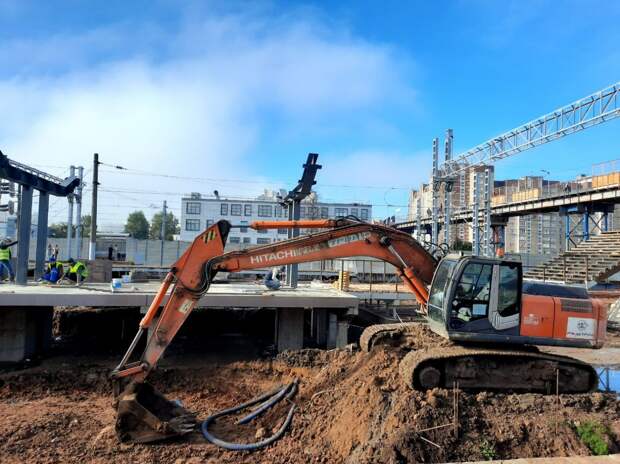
233	295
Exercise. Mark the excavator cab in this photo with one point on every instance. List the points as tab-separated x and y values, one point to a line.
474	299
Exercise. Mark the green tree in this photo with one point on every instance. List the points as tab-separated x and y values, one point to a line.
137	226
86	225
172	226
59	229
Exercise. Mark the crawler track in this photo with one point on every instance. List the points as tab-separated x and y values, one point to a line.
499	370
385	334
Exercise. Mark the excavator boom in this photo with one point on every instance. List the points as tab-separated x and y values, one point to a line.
192	274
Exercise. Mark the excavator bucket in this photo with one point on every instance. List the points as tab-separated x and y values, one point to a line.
145	415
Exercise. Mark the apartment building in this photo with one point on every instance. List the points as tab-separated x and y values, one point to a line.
199	212
533	234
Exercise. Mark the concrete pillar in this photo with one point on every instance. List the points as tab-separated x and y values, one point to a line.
332	331
23	247
290	330
41	234
342	336
319	317
24	333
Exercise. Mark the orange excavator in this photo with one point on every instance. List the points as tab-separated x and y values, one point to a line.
482	306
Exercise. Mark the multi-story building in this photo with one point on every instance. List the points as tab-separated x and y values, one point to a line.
199	212
531	234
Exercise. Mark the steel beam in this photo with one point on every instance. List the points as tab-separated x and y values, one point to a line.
594	109
23	236
44	201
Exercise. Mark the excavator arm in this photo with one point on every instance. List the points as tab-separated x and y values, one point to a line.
192	274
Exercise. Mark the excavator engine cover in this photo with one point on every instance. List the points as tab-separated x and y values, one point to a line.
145	415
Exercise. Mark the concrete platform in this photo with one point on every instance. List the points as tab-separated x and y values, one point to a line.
328	310
233	295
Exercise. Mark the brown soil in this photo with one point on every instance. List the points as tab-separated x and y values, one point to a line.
352	407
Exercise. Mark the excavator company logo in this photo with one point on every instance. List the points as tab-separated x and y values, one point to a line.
577	327
306	250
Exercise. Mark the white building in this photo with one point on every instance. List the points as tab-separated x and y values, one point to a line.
199	212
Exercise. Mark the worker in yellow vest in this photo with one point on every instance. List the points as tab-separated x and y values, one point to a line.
5	258
77	271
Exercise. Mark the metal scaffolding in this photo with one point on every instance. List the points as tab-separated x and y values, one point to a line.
594	109
475	219
436	183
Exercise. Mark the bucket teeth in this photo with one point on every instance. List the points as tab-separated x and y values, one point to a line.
145	415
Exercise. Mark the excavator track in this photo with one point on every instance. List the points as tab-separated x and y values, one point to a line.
385	334
499	370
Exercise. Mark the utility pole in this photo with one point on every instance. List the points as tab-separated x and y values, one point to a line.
78	220
435	198
163	234
70	216
93	214
447	209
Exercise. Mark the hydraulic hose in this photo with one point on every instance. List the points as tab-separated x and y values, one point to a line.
268	401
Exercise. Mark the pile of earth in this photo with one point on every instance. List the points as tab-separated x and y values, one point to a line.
352	407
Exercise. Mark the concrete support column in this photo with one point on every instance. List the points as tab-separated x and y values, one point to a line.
44	200
332	331
24	333
319	321
25	219
290	329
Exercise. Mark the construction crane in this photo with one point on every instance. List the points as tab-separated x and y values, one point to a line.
468	300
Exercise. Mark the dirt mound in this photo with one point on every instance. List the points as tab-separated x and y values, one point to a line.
352	408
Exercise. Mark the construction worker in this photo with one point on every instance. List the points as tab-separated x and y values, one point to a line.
77	272
53	271
5	258
272	279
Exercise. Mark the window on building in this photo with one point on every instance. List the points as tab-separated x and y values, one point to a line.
224	209
278	211
192	208
313	212
192	225
282	231
209	223
262	231
247	240
324	212
264	210
243	229
302	211
234	239
364	214
341	212
247	210
354	212
235	209
262	241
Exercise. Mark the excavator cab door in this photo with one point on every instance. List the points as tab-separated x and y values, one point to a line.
485	297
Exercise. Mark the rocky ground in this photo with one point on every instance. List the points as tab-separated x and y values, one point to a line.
352	408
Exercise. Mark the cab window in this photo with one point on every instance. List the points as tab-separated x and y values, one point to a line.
508	295
472	293
440	283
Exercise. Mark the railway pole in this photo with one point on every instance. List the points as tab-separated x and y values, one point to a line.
70	198
93	212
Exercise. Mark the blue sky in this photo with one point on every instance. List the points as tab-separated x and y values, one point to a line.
236	93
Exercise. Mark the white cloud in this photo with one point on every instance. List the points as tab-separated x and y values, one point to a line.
198	109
